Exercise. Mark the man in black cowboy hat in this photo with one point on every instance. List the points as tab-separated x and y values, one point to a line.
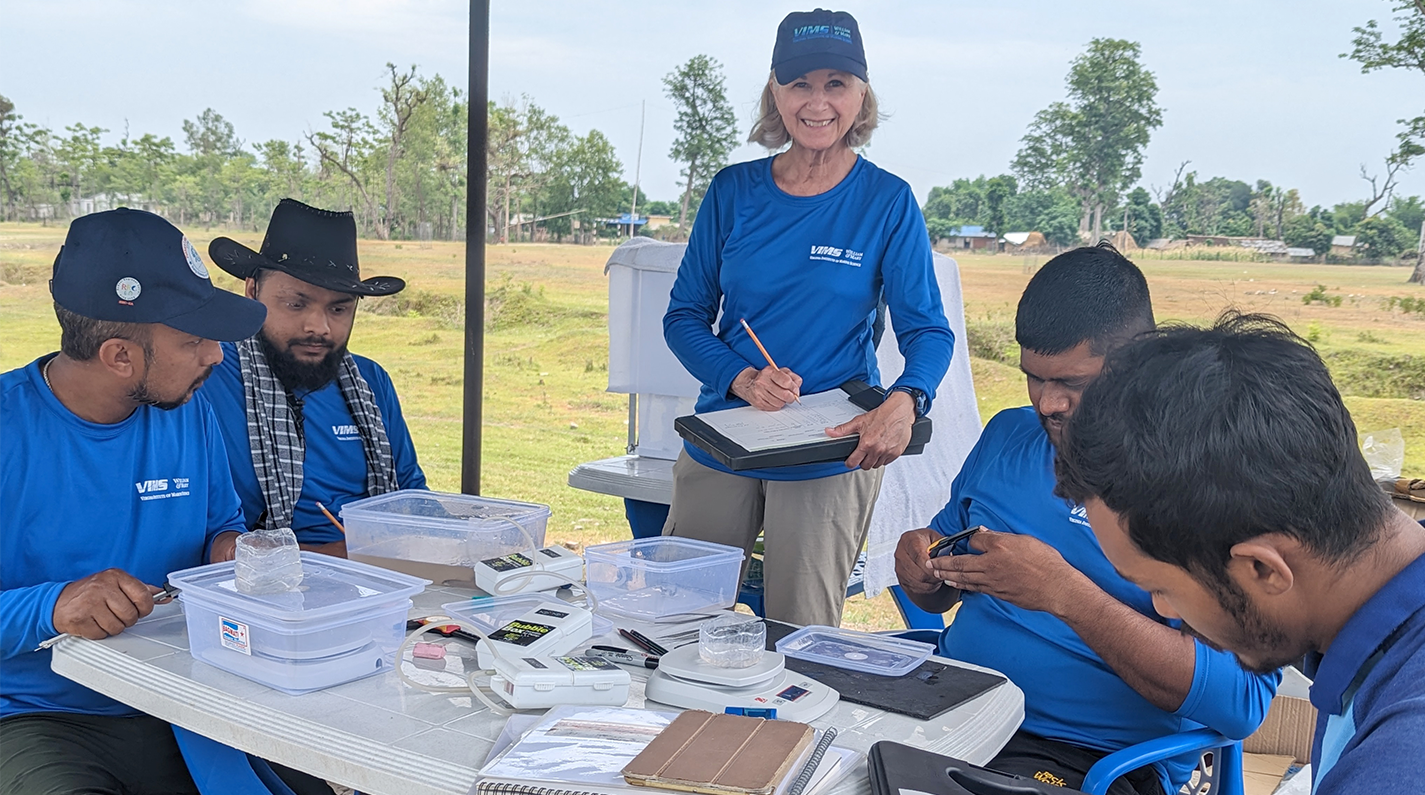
307	424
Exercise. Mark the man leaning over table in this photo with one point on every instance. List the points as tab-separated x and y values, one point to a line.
1100	669
113	476
305	421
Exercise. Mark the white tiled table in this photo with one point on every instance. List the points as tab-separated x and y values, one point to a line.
384	738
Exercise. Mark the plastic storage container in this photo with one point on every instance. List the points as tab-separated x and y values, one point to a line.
652	578
439	536
345	621
491	614
857	651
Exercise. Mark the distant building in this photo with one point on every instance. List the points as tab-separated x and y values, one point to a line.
1343	245
1300	253
625	222
1019	241
973	238
655	221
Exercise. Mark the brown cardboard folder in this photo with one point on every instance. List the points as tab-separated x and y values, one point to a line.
720	754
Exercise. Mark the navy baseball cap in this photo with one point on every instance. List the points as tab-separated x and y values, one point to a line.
132	266
820	39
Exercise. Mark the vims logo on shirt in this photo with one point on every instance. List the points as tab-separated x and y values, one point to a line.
346	433
161	488
1079	515
837	254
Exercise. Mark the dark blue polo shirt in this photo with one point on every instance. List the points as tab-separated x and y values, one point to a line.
1369	691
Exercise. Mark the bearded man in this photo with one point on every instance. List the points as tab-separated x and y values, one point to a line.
307	424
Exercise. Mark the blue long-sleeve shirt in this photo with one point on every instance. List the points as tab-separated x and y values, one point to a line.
147	495
334	469
1070	693
807	273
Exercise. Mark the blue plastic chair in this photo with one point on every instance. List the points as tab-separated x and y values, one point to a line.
914	617
1225	778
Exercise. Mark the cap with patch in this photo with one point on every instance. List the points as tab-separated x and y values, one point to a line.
132	266
820	39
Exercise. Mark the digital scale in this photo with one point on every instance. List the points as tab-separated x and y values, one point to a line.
684	680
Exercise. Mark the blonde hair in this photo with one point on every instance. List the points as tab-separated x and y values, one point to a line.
771	132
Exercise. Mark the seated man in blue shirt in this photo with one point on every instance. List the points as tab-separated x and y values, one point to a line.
113	477
1270	538
1100	669
307	424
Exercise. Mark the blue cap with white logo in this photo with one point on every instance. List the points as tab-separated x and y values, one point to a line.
132	266
820	39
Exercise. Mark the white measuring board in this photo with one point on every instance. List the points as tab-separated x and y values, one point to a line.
794	424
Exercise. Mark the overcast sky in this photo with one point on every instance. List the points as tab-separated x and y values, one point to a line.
1252	89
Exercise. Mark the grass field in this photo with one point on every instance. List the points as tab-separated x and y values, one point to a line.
547	351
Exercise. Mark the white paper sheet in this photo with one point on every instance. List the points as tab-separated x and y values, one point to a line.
792	425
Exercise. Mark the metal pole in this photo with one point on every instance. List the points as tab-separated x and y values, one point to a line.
637	170
477	133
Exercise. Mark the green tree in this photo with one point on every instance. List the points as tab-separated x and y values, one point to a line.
1373	52
1382	237
346	152
705	125
402	97
1093	143
1145	219
586	178
1410	212
1303	231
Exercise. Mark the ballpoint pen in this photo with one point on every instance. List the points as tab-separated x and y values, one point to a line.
168	592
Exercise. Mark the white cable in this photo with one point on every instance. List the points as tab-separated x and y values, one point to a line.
504	588
471	686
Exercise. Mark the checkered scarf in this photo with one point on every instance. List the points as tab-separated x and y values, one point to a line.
278	449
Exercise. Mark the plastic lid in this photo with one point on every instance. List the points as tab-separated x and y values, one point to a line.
856	651
492	613
441	509
330	588
664	551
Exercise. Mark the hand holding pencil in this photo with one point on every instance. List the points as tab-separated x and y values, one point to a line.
770	388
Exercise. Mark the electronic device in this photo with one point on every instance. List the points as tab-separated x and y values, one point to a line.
946	544
544	631
563	565
683	679
540	682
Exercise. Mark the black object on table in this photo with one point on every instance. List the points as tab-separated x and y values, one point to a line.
895	768
930	690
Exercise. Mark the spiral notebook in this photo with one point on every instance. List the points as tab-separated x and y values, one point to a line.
582	751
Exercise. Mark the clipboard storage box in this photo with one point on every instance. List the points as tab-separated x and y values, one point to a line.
736	457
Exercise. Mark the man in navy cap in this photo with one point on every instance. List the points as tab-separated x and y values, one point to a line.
113	476
307	424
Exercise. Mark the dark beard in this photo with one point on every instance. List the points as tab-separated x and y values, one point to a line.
141	394
296	375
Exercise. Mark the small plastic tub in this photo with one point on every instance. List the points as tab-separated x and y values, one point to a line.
345	621
856	651
652	578
439	536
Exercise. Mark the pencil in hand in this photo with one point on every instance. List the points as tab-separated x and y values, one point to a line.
763	349
331	518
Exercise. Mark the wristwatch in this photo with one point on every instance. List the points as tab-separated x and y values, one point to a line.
921	401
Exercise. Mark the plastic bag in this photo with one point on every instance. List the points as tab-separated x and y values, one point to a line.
1385	454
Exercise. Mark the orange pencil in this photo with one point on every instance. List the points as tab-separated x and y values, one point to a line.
332	518
761	348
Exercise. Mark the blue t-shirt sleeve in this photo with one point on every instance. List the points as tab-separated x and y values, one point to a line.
908	272
695	298
224	507
408	469
27	617
1224	697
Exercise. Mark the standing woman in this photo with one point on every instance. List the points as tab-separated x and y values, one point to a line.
804	245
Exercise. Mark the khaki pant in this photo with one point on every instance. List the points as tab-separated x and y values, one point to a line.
813	531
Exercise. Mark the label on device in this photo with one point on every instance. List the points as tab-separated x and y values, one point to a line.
508	562
521	633
586	664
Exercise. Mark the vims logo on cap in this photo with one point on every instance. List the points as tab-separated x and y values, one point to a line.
128	289
195	262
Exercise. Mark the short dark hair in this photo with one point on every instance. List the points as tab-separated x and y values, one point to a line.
1202	438
81	337
1091	293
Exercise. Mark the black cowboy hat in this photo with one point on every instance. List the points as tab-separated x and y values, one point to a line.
316	246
